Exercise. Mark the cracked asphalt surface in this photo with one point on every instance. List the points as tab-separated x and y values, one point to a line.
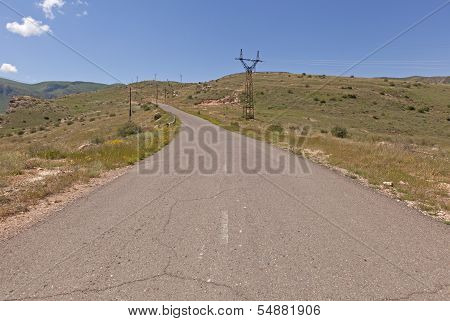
231	231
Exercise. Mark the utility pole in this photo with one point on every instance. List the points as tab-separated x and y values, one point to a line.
181	78
166	91
156	83
129	112
248	110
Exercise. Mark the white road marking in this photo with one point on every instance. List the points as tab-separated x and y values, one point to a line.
224	227
200	256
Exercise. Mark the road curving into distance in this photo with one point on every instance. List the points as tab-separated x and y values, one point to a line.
218	216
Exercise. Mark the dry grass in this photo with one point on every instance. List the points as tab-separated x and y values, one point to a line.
389	138
79	140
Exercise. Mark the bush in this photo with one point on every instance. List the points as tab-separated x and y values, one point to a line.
340	132
70	123
411	108
423	110
157	116
97	141
290	91
146	107
275	128
128	129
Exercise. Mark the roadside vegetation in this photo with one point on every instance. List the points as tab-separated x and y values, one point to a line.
50	145
392	133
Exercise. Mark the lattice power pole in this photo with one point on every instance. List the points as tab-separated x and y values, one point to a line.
248	110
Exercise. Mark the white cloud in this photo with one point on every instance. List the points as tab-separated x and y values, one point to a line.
84	13
48	6
28	28
80	3
8	68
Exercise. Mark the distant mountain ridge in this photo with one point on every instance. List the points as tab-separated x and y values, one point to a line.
432	80
48	89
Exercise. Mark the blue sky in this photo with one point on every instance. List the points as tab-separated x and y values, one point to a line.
199	39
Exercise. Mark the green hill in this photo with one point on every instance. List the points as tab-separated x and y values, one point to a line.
50	89
382	130
50	145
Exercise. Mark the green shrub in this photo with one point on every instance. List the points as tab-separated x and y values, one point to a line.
97	140
128	129
411	108
340	132
146	107
275	128
423	110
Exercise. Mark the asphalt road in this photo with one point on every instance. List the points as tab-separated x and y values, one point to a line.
202	220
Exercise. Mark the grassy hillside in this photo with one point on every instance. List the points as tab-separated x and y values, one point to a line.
54	144
430	80
390	130
51	89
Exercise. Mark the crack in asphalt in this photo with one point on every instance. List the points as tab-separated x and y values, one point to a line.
68	256
165	272
169	218
410	295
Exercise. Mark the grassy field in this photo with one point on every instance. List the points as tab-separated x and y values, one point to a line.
381	130
54	144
